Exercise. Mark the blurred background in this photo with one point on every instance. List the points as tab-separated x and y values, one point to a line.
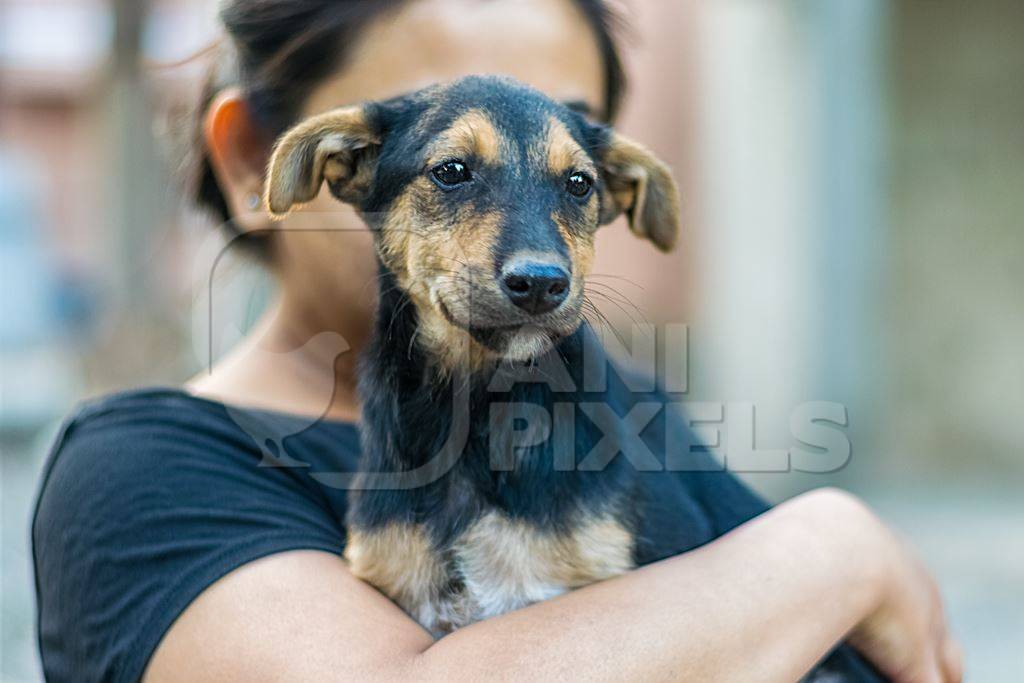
853	177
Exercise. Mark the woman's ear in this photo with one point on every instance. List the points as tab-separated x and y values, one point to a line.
339	147
640	185
238	149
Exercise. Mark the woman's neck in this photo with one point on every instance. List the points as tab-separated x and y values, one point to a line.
296	360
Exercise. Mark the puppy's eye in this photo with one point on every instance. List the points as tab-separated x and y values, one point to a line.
579	185
451	173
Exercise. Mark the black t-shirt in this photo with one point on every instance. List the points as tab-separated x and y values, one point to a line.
150	496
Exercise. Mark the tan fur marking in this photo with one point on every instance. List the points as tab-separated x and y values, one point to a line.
472	134
399	229
436	262
604	548
503	564
507	564
597	549
458	266
400	561
581	252
564	154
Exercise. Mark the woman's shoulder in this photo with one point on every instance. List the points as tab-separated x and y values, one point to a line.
139	417
112	446
132	452
147	461
149	497
158	429
139	420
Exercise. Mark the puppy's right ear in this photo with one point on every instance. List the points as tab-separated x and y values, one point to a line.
339	147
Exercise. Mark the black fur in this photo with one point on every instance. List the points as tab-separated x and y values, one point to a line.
408	414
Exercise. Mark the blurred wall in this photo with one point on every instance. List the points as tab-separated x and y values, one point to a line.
791	146
954	296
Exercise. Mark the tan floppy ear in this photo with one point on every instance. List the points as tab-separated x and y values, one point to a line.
641	185
339	147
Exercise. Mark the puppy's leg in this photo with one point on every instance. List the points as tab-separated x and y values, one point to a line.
401	562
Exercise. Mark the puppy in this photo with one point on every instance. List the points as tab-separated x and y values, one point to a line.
484	197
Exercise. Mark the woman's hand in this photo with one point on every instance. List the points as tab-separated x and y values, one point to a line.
906	635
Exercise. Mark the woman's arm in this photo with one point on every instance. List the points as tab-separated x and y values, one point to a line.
764	602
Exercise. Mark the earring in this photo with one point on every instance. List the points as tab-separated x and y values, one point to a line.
252	201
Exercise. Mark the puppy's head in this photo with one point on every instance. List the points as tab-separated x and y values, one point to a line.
484	196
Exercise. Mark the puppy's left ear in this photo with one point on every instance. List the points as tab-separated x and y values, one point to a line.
640	185
339	147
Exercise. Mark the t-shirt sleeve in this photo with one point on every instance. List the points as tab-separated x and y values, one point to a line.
135	518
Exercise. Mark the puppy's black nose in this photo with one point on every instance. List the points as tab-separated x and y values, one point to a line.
536	287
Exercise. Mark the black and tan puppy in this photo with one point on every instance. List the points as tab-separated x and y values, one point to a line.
484	197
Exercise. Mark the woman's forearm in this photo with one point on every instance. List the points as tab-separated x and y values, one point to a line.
764	602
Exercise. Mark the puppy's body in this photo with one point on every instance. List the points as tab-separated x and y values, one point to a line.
484	197
487	536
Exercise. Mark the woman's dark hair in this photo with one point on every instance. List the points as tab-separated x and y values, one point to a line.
280	50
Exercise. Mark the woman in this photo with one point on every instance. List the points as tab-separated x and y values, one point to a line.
165	551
